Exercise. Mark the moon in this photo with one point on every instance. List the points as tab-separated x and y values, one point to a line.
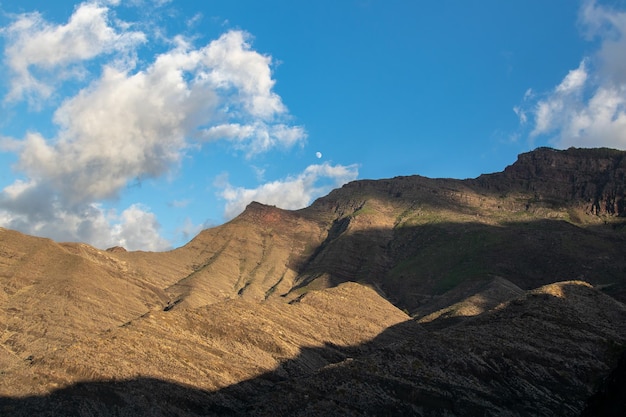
318	155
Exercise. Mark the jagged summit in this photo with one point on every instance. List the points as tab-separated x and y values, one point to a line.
593	177
256	211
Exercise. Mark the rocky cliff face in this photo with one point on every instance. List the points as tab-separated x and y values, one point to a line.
592	178
500	295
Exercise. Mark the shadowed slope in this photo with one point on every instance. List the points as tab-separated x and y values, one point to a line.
551	215
541	354
210	346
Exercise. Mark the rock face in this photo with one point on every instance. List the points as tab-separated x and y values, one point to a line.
591	177
495	296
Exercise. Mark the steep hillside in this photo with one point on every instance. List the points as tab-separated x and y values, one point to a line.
213	346
553	215
254	256
51	293
541	354
500	295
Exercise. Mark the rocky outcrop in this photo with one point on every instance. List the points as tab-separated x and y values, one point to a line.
116	249
595	178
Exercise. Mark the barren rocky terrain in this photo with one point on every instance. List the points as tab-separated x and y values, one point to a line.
495	296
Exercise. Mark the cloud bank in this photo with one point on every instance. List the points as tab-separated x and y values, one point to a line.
588	107
131	119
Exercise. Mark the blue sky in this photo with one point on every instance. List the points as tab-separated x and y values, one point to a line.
139	123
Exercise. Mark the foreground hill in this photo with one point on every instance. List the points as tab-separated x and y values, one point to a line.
332	353
500	295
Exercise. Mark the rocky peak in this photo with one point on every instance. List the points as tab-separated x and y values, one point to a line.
116	249
256	212
593	177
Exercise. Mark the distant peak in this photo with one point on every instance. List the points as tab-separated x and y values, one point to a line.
263	213
116	249
255	205
592	177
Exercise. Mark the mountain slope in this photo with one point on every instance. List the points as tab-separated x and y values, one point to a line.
553	215
214	346
305	311
54	293
417	238
541	354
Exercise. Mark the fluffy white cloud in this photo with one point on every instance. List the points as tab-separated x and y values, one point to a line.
32	209
136	125
127	122
121	127
290	193
35	43
566	99
137	228
588	108
232	64
256	138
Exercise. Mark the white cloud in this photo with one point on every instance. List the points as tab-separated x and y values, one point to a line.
290	193
231	63
574	81
120	128
125	126
553	112
126	122
256	138
588	108
36	43
32	209
138	229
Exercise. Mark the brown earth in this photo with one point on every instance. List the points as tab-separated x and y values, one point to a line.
500	295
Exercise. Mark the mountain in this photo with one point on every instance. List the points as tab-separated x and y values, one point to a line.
498	295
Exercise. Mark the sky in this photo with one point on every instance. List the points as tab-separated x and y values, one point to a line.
139	123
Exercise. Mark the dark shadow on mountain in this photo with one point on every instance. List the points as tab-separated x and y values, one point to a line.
543	354
414	267
610	398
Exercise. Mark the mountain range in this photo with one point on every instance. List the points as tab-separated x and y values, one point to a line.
501	295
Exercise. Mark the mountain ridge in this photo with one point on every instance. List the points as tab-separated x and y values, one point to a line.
364	297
